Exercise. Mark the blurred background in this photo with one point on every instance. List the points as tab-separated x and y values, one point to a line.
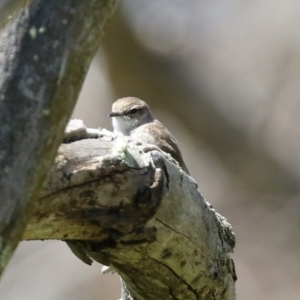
224	77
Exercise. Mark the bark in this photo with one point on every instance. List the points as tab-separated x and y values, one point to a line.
128	205
45	51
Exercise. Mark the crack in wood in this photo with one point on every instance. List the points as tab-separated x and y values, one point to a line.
176	231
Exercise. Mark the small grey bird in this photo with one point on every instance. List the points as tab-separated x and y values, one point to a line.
132	117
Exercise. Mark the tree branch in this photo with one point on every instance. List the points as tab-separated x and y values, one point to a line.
45	52
128	205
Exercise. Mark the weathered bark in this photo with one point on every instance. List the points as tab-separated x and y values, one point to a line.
130	206
45	51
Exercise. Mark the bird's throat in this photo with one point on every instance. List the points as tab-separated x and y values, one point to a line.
121	126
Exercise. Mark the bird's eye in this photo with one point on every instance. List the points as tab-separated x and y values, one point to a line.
133	111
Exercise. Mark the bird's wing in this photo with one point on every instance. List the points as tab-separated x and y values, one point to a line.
162	138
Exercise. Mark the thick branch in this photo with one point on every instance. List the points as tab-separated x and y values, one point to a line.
128	205
45	52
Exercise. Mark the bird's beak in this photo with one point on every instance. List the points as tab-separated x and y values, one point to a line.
114	114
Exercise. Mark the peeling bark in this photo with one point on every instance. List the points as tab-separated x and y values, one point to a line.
128	205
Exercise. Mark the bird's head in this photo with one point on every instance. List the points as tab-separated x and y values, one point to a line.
129	113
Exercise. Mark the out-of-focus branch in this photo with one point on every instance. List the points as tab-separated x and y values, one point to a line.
163	81
7	7
126	205
45	52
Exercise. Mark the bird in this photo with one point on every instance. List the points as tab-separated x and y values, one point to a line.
132	117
